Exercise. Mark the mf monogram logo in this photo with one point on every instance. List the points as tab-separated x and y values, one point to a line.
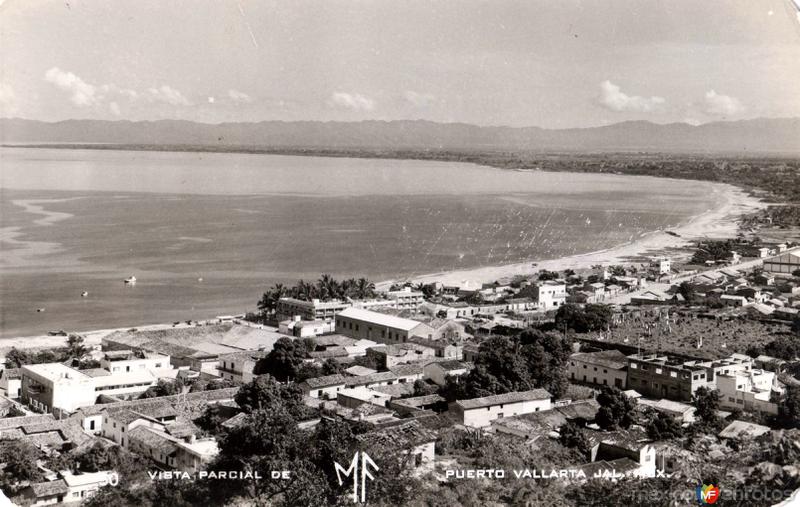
353	471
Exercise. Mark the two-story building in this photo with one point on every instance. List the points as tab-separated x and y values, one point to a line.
603	368
364	324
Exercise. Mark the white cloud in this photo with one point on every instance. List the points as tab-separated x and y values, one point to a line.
722	105
354	101
421	100
613	98
168	95
82	94
240	97
8	100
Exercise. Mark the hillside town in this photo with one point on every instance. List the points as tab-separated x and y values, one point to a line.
659	375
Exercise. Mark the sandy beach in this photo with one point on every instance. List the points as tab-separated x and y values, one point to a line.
90	338
719	222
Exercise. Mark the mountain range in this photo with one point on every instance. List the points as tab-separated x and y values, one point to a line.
773	135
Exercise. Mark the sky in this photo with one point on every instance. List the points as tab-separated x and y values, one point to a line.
554	63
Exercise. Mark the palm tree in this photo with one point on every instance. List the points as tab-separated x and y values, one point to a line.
328	287
366	289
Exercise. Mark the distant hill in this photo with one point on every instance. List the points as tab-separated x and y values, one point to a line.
745	136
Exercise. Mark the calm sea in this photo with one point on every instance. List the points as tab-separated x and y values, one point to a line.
205	234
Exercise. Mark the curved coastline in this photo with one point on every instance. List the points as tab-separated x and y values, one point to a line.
719	222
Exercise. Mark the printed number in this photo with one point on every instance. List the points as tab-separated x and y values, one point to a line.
112	479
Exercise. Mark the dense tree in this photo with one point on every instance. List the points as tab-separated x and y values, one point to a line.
573	436
75	345
706	403
664	427
789	408
545	275
19	459
285	359
264	393
422	388
592	317
617	410
326	288
686	290
783	347
514	363
164	387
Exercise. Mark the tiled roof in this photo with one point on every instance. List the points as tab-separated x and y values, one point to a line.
49	488
488	401
454	364
400	436
418	401
152	439
327	381
406	369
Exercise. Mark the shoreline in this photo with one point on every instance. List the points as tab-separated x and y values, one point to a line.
720	222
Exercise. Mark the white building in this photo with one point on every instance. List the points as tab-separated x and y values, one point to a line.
438	372
480	412
550	295
54	387
747	391
604	368
406	298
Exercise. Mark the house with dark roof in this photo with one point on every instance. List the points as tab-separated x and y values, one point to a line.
604	368
399	353
480	412
630	444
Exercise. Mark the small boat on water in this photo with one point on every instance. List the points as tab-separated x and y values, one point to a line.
39	310
131	280
84	294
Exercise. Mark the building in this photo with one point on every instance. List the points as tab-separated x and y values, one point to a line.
443	349
627	445
364	324
66	488
417	444
300	328
406	298
681	412
749	392
400	353
662	265
126	361
675	379
289	308
742	430
784	264
329	386
732	300
239	366
53	387
437	372
352	397
549	295
11	383
480	412
605	368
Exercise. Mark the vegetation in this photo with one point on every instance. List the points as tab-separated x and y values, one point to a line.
789	408
706	403
287	361
664	427
713	251
592	317
505	364
616	411
325	289
573	436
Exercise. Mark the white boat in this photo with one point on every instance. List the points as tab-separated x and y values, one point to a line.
39	310
84	294
131	280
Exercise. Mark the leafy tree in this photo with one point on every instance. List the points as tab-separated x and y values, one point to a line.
796	273
19	459
789	408
664	427
164	388
284	360
545	275
572	436
264	393
784	347
422	388
706	403
592	317
616	411
686	290
75	345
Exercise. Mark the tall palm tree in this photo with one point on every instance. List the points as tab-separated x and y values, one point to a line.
366	289
328	287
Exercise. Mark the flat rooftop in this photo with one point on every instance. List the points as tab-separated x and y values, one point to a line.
55	371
